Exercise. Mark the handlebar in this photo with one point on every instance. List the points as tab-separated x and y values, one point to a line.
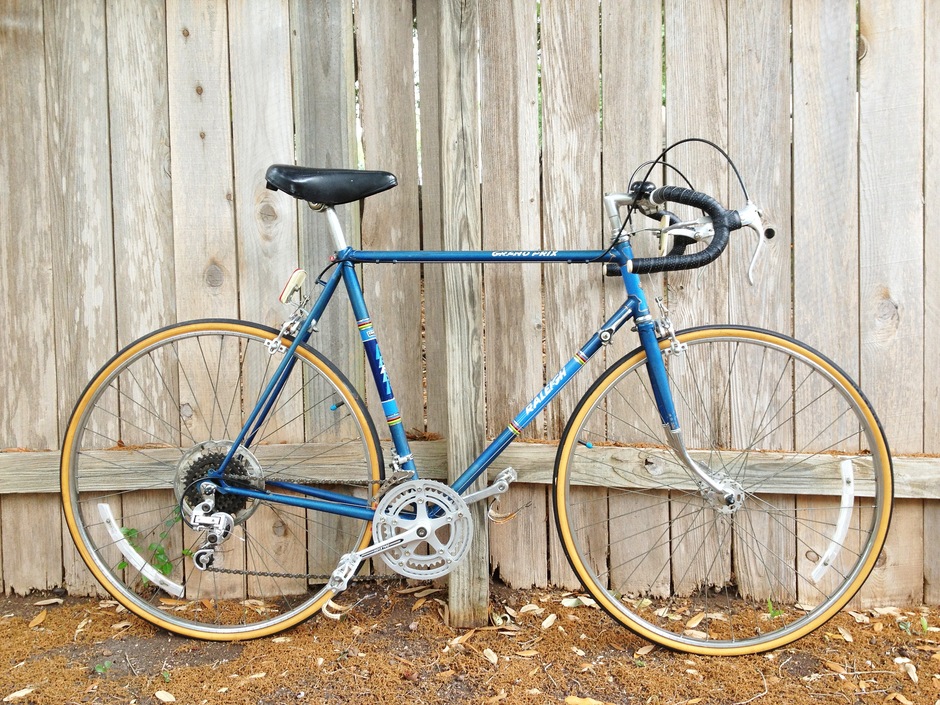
723	222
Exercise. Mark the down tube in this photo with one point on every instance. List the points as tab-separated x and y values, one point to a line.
542	399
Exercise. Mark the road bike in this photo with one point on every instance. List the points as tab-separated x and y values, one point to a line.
718	490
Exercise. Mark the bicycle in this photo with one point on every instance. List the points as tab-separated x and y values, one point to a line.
679	481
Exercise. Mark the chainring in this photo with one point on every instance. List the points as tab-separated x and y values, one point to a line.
443	515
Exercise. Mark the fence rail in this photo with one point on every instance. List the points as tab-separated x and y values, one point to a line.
135	136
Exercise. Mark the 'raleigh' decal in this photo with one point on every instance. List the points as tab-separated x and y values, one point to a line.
549	388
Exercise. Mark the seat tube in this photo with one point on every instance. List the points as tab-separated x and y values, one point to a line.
377	365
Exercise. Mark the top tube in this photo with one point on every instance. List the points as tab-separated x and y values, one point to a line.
431	256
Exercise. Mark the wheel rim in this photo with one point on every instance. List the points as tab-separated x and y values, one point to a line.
760	556
162	403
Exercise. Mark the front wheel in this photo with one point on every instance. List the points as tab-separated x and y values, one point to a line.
156	421
683	566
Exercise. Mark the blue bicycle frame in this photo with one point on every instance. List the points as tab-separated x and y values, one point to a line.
634	307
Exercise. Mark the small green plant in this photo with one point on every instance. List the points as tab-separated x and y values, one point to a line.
923	624
905	627
773	611
166	676
102	668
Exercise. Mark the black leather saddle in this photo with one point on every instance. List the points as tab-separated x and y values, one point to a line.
327	186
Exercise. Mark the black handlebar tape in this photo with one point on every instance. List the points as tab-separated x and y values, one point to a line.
723	221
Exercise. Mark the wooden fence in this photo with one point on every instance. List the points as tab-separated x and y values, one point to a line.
134	138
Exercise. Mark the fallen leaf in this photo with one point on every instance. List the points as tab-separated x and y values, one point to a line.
695	621
549	621
427	592
532	608
258	675
575	700
859	617
645	650
490	656
164	697
528	653
50	601
878	626
577	651
38	619
911	671
281	639
511	612
695	634
18	694
845	634
418	604
835	667
121	625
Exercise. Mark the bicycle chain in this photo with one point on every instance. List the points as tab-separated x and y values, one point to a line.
388	483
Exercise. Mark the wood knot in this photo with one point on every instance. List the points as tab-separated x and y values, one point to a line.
214	276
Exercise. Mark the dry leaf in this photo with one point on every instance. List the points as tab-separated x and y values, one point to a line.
511	612
693	701
418	604
18	694
490	656
835	667
549	621
859	617
695	621
577	651
38	619
878	626
258	675
409	591
281	639
695	634
575	700
121	625
845	634
900	698
427	591
532	608
911	670
645	650
50	601
164	697
528	653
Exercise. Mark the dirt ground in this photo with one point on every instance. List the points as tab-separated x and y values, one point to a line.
394	647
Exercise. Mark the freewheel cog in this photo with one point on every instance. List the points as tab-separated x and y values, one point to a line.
437	510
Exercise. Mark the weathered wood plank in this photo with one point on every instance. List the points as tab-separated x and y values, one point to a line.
825	153
571	182
78	189
463	289
391	220
898	576
263	133
323	71
697	106
201	154
140	168
931	294
38	472
891	102
633	126
428	20
510	195
759	143
32	556
519	546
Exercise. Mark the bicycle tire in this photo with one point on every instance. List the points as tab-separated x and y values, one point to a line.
159	416
667	558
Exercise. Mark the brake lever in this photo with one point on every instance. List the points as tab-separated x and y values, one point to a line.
751	218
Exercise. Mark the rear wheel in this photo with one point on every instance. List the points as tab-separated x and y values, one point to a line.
673	560
160	417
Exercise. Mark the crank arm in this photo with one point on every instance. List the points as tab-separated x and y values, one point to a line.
500	485
349	563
